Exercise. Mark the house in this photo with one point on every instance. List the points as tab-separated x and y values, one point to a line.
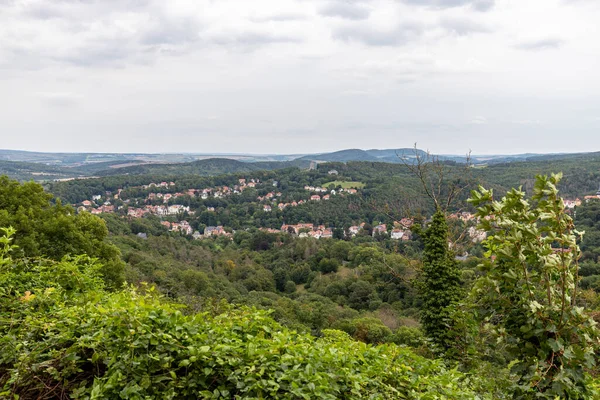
406	223
327	233
281	206
210	209
332	172
107	208
476	235
242	181
351	191
183	227
570	204
326	197
315	197
96	197
215	231
176	209
466	216
135	212
288	229
86	203
196	235
382	228
267	208
353	230
160	210
397	234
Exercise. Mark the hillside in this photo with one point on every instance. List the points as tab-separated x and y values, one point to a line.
211	166
26	171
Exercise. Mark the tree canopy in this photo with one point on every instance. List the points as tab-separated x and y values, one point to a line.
48	229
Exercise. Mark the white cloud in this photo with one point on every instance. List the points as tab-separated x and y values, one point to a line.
540	44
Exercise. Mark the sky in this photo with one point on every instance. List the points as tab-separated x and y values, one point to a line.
299	76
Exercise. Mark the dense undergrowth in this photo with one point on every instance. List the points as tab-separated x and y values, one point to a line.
62	335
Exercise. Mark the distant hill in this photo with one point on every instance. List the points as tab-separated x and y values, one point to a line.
24	165
211	166
26	171
341	156
395	156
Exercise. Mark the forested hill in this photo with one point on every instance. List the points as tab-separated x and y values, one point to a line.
581	170
211	166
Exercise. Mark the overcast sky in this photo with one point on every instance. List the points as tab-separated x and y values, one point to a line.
297	76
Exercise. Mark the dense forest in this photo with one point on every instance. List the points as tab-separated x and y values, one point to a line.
119	305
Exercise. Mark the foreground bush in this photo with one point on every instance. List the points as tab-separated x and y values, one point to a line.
63	336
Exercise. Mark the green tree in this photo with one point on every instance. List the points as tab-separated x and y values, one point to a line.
440	286
53	230
527	298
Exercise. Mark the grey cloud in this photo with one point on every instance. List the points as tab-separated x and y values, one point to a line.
373	37
99	37
478	5
284	17
541	44
171	32
251	39
59	99
43	11
483	5
345	10
462	26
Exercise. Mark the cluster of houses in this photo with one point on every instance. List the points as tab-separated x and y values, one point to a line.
314	197
211	231
400	230
183	227
161	211
216	192
317	189
94	208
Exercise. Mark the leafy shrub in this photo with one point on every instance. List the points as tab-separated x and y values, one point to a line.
62	335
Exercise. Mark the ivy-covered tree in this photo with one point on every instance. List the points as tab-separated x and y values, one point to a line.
527	299
440	286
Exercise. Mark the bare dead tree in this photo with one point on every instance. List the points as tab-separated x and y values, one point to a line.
441	183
